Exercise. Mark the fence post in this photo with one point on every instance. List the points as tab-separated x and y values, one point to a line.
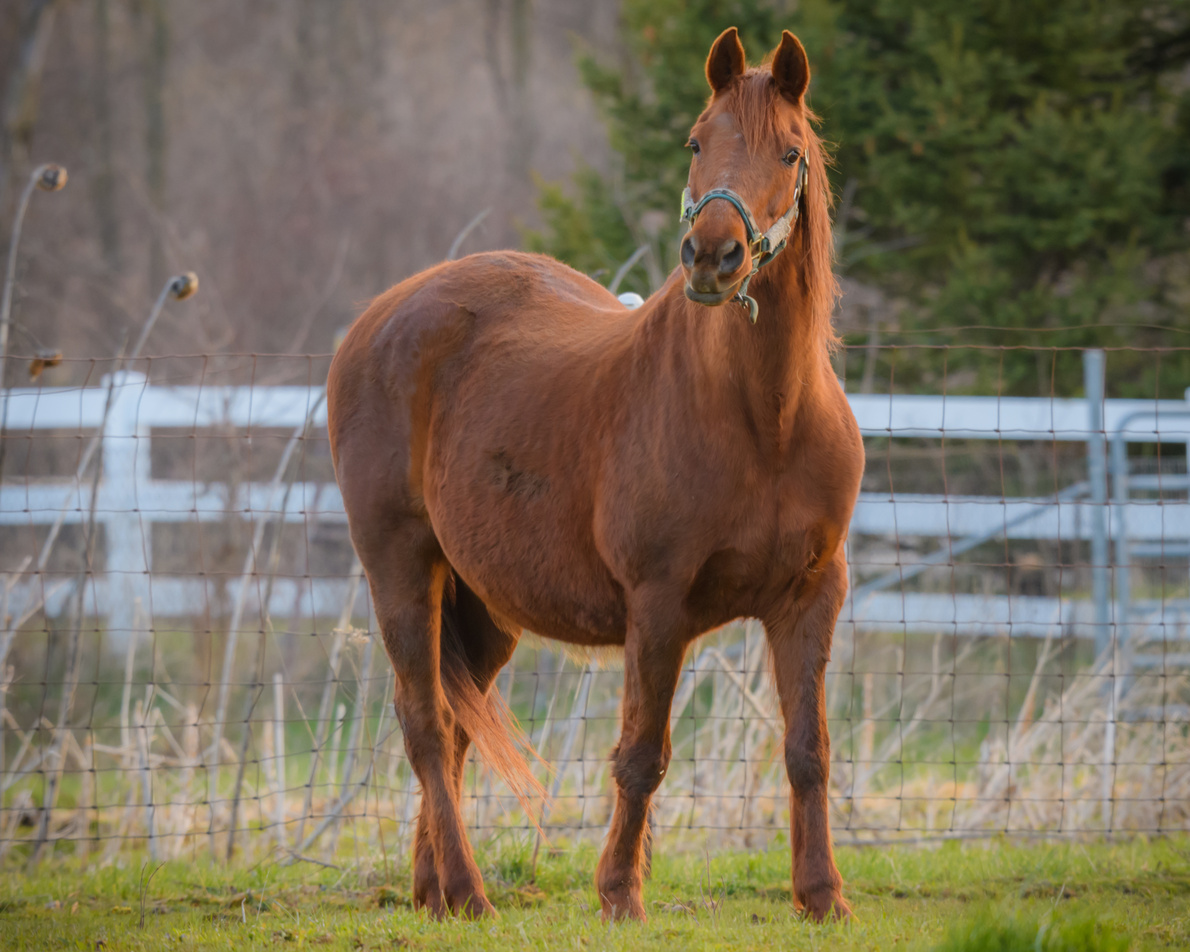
126	474
1186	396
1104	637
1119	530
1097	477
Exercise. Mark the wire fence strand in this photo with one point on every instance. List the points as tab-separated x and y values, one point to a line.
188	658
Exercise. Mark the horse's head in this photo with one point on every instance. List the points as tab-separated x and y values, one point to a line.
749	167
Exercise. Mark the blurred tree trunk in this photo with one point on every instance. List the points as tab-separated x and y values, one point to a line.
157	52
302	83
524	132
21	96
511	80
104	180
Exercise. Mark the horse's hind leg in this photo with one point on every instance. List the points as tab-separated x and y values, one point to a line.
407	574
800	634
427	891
487	648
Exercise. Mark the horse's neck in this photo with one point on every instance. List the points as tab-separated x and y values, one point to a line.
785	338
773	364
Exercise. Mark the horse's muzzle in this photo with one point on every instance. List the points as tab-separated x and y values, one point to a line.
711	298
713	267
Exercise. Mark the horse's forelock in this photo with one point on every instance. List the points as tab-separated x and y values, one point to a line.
752	99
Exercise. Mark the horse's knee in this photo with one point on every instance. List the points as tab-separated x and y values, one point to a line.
638	768
807	761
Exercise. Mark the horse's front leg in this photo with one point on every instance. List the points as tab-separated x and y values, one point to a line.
652	661
800	632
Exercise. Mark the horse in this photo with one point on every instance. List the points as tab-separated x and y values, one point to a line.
518	451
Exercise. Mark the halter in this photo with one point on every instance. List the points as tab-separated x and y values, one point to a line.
764	245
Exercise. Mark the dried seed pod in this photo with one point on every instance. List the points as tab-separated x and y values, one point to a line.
183	286
51	178
44	358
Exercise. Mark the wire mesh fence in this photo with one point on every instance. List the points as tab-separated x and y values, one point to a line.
189	663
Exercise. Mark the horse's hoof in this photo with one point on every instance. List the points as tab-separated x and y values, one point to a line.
470	902
431	901
476	907
622	903
826	904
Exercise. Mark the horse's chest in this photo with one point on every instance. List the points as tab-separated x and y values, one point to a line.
741	579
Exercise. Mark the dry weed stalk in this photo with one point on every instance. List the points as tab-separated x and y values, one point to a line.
727	775
278	486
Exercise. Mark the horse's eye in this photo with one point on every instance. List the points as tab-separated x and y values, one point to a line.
790	158
693	146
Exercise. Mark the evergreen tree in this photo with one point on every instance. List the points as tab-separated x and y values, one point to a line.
1016	171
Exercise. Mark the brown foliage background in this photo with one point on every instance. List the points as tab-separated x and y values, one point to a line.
299	155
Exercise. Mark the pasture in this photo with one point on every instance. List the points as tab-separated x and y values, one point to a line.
991	894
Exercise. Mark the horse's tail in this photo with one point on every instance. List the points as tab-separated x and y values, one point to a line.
483	714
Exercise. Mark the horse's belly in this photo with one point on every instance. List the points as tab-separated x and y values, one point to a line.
577	620
531	558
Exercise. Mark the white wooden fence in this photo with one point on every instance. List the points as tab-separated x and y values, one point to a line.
127	408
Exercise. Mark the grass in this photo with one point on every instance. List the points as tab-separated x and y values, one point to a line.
987	897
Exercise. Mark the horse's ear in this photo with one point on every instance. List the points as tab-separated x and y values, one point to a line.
726	61
791	68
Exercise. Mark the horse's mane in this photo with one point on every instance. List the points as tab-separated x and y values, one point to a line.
752	99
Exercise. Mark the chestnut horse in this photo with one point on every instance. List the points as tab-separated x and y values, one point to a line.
516	451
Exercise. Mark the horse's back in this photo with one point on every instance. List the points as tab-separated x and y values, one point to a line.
538	298
532	303
506	307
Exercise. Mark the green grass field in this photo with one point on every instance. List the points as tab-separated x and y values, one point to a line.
986	896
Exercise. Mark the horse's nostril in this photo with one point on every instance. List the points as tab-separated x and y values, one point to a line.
733	257
688	251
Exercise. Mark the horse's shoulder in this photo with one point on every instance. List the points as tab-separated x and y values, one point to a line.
825	462
828	424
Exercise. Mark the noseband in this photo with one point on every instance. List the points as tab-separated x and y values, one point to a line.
764	245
